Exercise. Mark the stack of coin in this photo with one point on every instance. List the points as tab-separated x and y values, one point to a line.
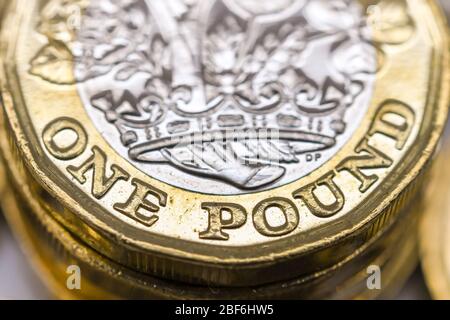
434	231
220	148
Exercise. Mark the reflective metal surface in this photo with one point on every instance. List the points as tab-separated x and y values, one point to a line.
18	281
260	65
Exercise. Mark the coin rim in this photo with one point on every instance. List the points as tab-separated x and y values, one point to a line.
76	250
277	249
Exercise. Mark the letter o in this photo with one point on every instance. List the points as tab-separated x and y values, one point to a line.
290	213
69	152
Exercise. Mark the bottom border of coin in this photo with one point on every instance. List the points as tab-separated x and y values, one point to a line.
115	249
61	216
54	249
102	279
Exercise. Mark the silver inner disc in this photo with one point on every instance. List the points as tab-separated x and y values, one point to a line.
225	96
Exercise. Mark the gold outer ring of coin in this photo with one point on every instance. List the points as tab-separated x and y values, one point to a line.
435	230
244	265
55	210
53	249
102	279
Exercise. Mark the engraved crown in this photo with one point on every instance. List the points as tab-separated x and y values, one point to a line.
245	72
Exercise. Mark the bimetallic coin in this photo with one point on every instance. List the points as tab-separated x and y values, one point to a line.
225	142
